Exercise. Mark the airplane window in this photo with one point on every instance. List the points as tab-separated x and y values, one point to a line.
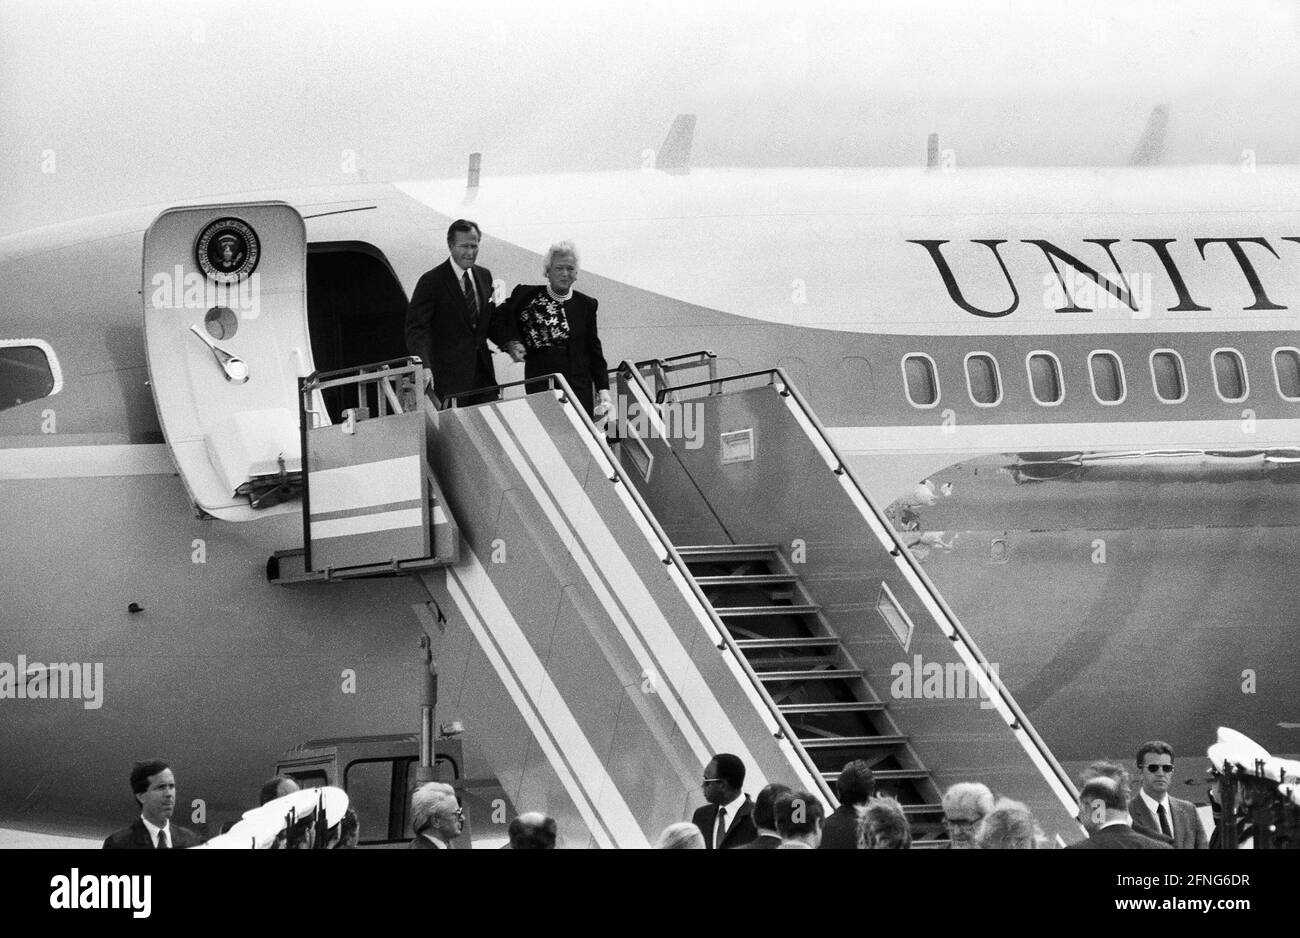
1167	374
1045	378
1286	368
1107	377
1230	375
922	382
982	379
28	372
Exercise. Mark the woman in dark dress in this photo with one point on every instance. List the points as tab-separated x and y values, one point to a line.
558	327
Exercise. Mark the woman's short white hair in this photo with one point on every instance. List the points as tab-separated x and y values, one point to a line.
560	247
968	796
680	836
427	800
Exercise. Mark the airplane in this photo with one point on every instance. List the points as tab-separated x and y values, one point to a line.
1053	348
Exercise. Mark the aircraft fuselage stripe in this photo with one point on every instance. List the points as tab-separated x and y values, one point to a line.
962	438
85	462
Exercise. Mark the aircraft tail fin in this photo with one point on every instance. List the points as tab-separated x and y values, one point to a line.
1150	149
674	156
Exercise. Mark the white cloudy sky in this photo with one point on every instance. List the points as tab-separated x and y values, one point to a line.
151	100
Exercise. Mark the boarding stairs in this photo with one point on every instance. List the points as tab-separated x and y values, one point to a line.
825	697
609	607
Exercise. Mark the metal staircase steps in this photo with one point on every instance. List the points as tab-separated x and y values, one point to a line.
858	706
734	612
754	579
833	711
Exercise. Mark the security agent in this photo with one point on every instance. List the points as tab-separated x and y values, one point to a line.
726	821
1104	814
1155	808
154	789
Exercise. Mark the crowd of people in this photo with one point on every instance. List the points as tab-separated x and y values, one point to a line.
783	818
778	817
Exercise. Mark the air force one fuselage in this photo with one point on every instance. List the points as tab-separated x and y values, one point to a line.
931	320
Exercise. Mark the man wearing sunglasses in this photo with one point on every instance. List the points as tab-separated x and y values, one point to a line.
1104	815
727	820
1155	808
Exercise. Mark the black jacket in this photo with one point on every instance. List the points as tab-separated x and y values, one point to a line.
136	837
1119	837
438	331
582	363
740	831
841	829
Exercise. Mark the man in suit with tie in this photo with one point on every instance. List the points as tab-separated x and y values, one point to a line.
1104	814
154	788
727	820
451	317
1155	808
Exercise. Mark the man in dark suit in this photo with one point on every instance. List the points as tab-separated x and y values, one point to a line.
1120	775
154	789
854	788
1104	814
727	820
1155	808
451	317
765	818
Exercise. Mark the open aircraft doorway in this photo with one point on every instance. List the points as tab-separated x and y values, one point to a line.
356	311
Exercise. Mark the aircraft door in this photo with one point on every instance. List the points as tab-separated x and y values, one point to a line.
226	339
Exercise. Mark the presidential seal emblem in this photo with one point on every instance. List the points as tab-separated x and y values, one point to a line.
227	250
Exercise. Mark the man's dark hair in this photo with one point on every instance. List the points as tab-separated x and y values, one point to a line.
271	786
765	805
885	817
1157	746
1106	790
529	835
461	226
143	771
730	769
855	784
798	813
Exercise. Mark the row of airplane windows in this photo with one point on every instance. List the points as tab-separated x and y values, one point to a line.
1106	373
